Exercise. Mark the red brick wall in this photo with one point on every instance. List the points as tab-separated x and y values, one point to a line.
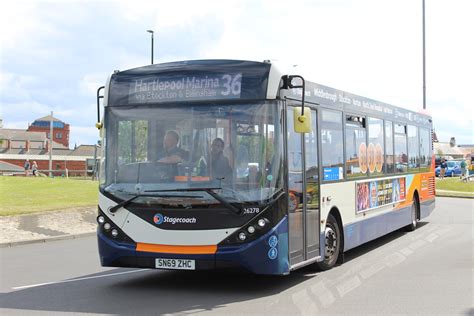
64	131
57	164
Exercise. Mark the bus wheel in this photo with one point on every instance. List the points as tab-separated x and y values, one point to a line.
333	245
414	213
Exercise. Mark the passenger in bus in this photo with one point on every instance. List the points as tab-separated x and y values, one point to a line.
172	153
219	167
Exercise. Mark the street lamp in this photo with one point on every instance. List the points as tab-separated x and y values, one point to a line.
151	32
424	58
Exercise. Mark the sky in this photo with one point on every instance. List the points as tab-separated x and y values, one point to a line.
55	54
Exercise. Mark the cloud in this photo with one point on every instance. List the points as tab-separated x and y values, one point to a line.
89	83
54	55
83	135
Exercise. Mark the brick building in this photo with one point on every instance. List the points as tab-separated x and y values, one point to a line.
60	129
17	145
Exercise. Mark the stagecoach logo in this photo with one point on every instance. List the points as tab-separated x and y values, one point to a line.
158	219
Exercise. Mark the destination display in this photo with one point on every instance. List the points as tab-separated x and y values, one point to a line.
377	193
186	88
189	81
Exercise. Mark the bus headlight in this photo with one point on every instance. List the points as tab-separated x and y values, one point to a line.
242	236
261	222
114	233
251	229
107	226
100	219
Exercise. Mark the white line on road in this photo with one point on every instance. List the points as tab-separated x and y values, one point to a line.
74	280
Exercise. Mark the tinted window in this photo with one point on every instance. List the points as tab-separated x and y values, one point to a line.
389	157
413	149
401	157
425	149
375	149
331	140
356	147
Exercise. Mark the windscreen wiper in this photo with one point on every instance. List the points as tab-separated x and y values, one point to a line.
207	190
115	208
124	203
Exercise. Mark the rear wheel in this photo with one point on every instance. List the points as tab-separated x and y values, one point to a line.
332	246
414	215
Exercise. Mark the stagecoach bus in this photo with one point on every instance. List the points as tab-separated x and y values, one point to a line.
211	164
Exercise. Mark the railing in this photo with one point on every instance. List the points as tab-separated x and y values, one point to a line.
66	173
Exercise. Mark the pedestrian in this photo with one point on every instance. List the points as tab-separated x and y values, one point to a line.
463	168
34	169
442	167
27	167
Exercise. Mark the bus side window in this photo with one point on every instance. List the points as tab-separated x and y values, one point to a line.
401	156
357	160
425	149
389	157
376	142
413	149
332	145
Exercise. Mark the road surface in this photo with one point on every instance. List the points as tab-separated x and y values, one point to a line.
425	272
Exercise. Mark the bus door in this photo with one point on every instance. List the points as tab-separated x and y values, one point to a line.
303	191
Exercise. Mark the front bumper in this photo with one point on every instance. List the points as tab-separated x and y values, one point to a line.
267	254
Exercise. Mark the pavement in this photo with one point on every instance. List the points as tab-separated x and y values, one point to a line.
43	227
461	194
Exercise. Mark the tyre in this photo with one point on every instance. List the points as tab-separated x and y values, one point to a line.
414	215
333	245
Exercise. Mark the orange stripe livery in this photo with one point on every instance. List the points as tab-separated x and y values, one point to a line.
195	250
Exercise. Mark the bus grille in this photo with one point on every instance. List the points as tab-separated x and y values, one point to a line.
431	186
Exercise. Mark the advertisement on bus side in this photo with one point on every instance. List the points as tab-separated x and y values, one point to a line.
377	193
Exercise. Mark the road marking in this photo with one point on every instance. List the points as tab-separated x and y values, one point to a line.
304	303
74	280
325	296
406	251
431	237
394	259
348	286
417	244
372	270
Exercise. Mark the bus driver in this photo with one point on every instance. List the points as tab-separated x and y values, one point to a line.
172	153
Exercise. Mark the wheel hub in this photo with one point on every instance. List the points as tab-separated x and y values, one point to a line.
331	242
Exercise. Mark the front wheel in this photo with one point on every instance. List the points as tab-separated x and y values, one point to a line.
333	245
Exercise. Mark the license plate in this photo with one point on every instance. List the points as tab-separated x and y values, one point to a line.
175	264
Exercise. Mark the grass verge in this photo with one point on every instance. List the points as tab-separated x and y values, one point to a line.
21	195
455	184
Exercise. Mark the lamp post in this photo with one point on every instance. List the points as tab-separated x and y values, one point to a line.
424	58
151	32
51	146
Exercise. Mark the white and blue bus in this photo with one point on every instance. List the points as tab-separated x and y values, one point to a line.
213	164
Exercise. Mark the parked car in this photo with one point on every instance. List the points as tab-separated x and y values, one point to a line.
453	169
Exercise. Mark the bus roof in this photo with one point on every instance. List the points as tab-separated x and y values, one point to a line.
222	79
